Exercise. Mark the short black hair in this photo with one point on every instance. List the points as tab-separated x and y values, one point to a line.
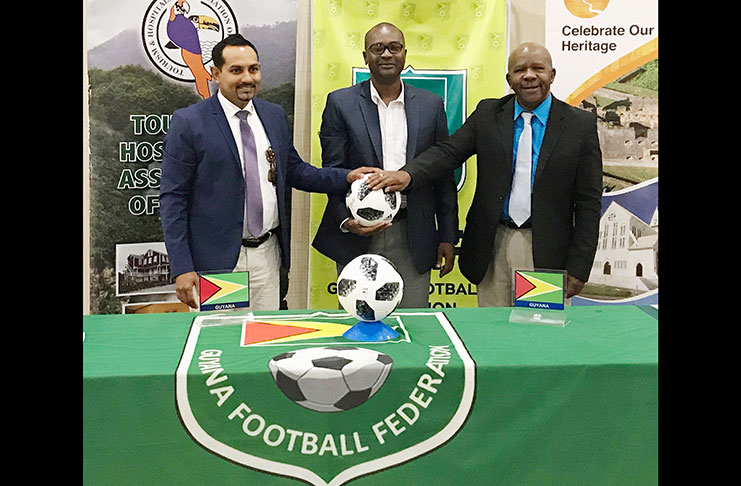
230	40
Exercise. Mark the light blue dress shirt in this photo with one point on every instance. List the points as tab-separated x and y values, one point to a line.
538	123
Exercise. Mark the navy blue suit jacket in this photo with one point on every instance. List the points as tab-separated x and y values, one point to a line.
350	136
202	188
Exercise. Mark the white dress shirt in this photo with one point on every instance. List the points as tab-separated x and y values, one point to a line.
393	121
269	197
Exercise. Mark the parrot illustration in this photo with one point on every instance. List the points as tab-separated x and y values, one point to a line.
184	34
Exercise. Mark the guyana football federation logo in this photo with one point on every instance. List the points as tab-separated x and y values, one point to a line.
289	395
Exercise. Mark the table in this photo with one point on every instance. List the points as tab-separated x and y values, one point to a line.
550	405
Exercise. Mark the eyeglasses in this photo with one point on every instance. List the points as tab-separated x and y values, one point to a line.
393	47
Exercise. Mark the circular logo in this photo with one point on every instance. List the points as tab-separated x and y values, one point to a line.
586	9
178	36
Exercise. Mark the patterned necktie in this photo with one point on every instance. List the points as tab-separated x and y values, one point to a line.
519	202
253	192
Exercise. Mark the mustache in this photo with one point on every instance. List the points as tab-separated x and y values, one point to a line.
246	85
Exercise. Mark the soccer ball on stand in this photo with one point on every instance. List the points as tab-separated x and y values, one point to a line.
330	379
369	288
371	207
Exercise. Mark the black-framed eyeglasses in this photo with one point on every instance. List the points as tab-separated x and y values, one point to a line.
393	47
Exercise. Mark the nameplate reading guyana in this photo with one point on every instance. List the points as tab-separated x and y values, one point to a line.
290	396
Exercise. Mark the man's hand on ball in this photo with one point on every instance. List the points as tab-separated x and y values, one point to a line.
360	172
389	180
353	226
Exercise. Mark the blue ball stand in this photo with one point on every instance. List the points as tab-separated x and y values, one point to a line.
370	331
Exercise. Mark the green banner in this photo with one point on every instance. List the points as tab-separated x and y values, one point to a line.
456	49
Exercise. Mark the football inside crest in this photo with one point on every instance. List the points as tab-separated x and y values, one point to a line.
330	378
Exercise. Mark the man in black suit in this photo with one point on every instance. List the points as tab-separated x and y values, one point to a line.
562	208
385	123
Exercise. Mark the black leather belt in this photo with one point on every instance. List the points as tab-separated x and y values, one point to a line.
255	242
511	224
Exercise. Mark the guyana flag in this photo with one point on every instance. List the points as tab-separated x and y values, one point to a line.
222	291
539	290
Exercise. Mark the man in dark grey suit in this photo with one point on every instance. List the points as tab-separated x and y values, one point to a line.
561	224
385	123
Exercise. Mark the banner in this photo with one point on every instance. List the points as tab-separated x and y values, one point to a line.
147	58
605	53
456	49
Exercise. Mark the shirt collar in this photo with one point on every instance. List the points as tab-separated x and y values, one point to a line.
376	97
230	109
541	111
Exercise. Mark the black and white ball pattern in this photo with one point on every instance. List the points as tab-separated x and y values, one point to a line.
330	378
369	287
371	207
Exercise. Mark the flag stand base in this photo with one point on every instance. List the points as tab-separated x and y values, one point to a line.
549	317
370	331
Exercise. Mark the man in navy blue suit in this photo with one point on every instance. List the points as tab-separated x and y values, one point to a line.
385	123
228	164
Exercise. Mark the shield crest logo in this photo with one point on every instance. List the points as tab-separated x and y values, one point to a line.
289	396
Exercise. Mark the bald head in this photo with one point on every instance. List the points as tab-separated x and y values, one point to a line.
530	74
382	27
526	49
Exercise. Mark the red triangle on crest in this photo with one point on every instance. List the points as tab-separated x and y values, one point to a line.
208	289
522	285
258	332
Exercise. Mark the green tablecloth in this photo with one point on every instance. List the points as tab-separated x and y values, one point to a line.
573	405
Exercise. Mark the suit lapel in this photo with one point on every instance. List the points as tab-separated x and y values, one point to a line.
553	132
267	122
412	113
506	125
226	131
369	111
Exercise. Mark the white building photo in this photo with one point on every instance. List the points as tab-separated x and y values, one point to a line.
627	251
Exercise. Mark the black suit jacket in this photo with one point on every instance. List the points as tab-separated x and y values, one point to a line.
567	191
350	136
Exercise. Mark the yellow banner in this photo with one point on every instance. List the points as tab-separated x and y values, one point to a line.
461	42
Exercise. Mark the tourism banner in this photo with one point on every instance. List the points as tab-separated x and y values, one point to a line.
145	59
606	57
457	49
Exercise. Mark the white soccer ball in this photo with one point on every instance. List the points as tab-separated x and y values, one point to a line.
369	287
332	378
371	207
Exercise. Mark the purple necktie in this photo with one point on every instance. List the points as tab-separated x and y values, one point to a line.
253	197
